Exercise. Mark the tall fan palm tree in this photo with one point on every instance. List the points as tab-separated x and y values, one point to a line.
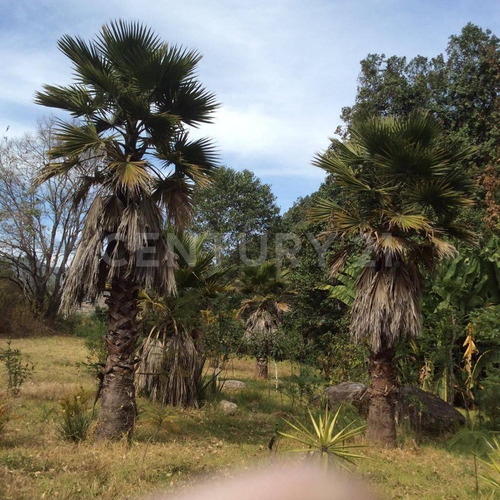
403	189
265	287
132	100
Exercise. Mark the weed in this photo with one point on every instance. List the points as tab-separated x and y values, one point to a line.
5	411
76	417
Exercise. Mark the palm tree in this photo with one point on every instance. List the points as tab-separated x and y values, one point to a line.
172	355
403	189
132	100
265	286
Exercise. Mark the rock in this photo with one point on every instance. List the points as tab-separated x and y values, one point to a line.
227	407
426	412
354	393
233	385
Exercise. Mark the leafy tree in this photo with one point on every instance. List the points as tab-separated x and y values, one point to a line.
314	315
133	99
39	225
237	208
405	190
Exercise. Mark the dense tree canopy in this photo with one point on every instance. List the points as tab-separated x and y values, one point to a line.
461	88
238	207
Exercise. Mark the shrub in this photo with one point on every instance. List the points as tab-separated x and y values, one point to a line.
92	328
488	399
305	387
18	319
18	368
76	417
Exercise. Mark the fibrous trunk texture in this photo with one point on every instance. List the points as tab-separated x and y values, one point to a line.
383	394
261	368
118	409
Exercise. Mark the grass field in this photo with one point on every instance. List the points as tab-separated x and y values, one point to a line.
36	463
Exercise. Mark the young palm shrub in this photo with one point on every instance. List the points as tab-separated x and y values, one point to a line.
402	189
172	356
328	439
132	103
265	287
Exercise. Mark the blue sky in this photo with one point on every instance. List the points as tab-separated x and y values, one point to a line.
283	69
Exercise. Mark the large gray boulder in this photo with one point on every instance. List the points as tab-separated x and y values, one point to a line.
233	385
426	412
354	393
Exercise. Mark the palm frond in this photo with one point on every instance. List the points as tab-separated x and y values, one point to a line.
74	140
408	222
322	210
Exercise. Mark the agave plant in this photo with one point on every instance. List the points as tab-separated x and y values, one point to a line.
493	462
326	439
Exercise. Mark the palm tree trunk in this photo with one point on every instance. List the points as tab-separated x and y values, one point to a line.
383	391
118	409
261	368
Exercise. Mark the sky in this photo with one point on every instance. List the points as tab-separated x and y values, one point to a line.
282	69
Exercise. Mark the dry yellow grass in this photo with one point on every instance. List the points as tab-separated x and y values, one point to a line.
36	463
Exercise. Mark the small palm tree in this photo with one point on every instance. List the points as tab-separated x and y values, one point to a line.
132	100
403	190
172	357
265	287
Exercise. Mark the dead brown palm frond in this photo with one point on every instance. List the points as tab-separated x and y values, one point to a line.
261	321
387	303
338	260
170	368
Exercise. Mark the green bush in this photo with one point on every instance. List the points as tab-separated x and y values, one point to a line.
305	387
488	399
17	366
92	328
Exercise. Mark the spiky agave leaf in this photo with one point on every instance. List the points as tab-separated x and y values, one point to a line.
326	439
493	463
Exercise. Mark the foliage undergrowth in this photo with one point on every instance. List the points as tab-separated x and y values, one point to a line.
36	463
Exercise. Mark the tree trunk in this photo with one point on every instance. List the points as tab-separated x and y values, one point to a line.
383	392
118	409
53	307
261	368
